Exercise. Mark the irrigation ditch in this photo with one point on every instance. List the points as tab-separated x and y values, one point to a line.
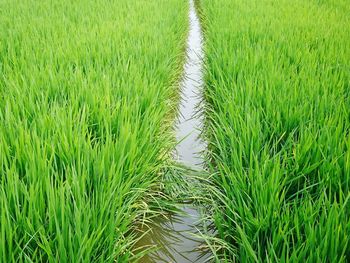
179	237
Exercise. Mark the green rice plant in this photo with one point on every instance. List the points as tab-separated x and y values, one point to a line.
277	122
88	91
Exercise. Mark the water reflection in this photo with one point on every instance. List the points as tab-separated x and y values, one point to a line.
189	122
176	238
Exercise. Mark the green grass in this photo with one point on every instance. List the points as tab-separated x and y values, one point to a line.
87	100
278	121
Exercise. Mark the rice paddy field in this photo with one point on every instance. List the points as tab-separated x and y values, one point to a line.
89	97
88	92
277	84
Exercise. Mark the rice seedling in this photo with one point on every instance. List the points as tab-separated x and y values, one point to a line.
87	100
277	123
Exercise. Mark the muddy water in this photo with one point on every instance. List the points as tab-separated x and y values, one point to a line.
174	239
174	235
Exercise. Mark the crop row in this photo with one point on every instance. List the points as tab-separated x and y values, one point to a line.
277	122
87	98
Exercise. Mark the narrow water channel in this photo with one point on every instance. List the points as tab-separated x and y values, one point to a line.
174	235
189	123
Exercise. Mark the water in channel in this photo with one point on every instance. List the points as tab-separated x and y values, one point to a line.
174	235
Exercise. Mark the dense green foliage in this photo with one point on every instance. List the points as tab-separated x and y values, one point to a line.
278	121
86	99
